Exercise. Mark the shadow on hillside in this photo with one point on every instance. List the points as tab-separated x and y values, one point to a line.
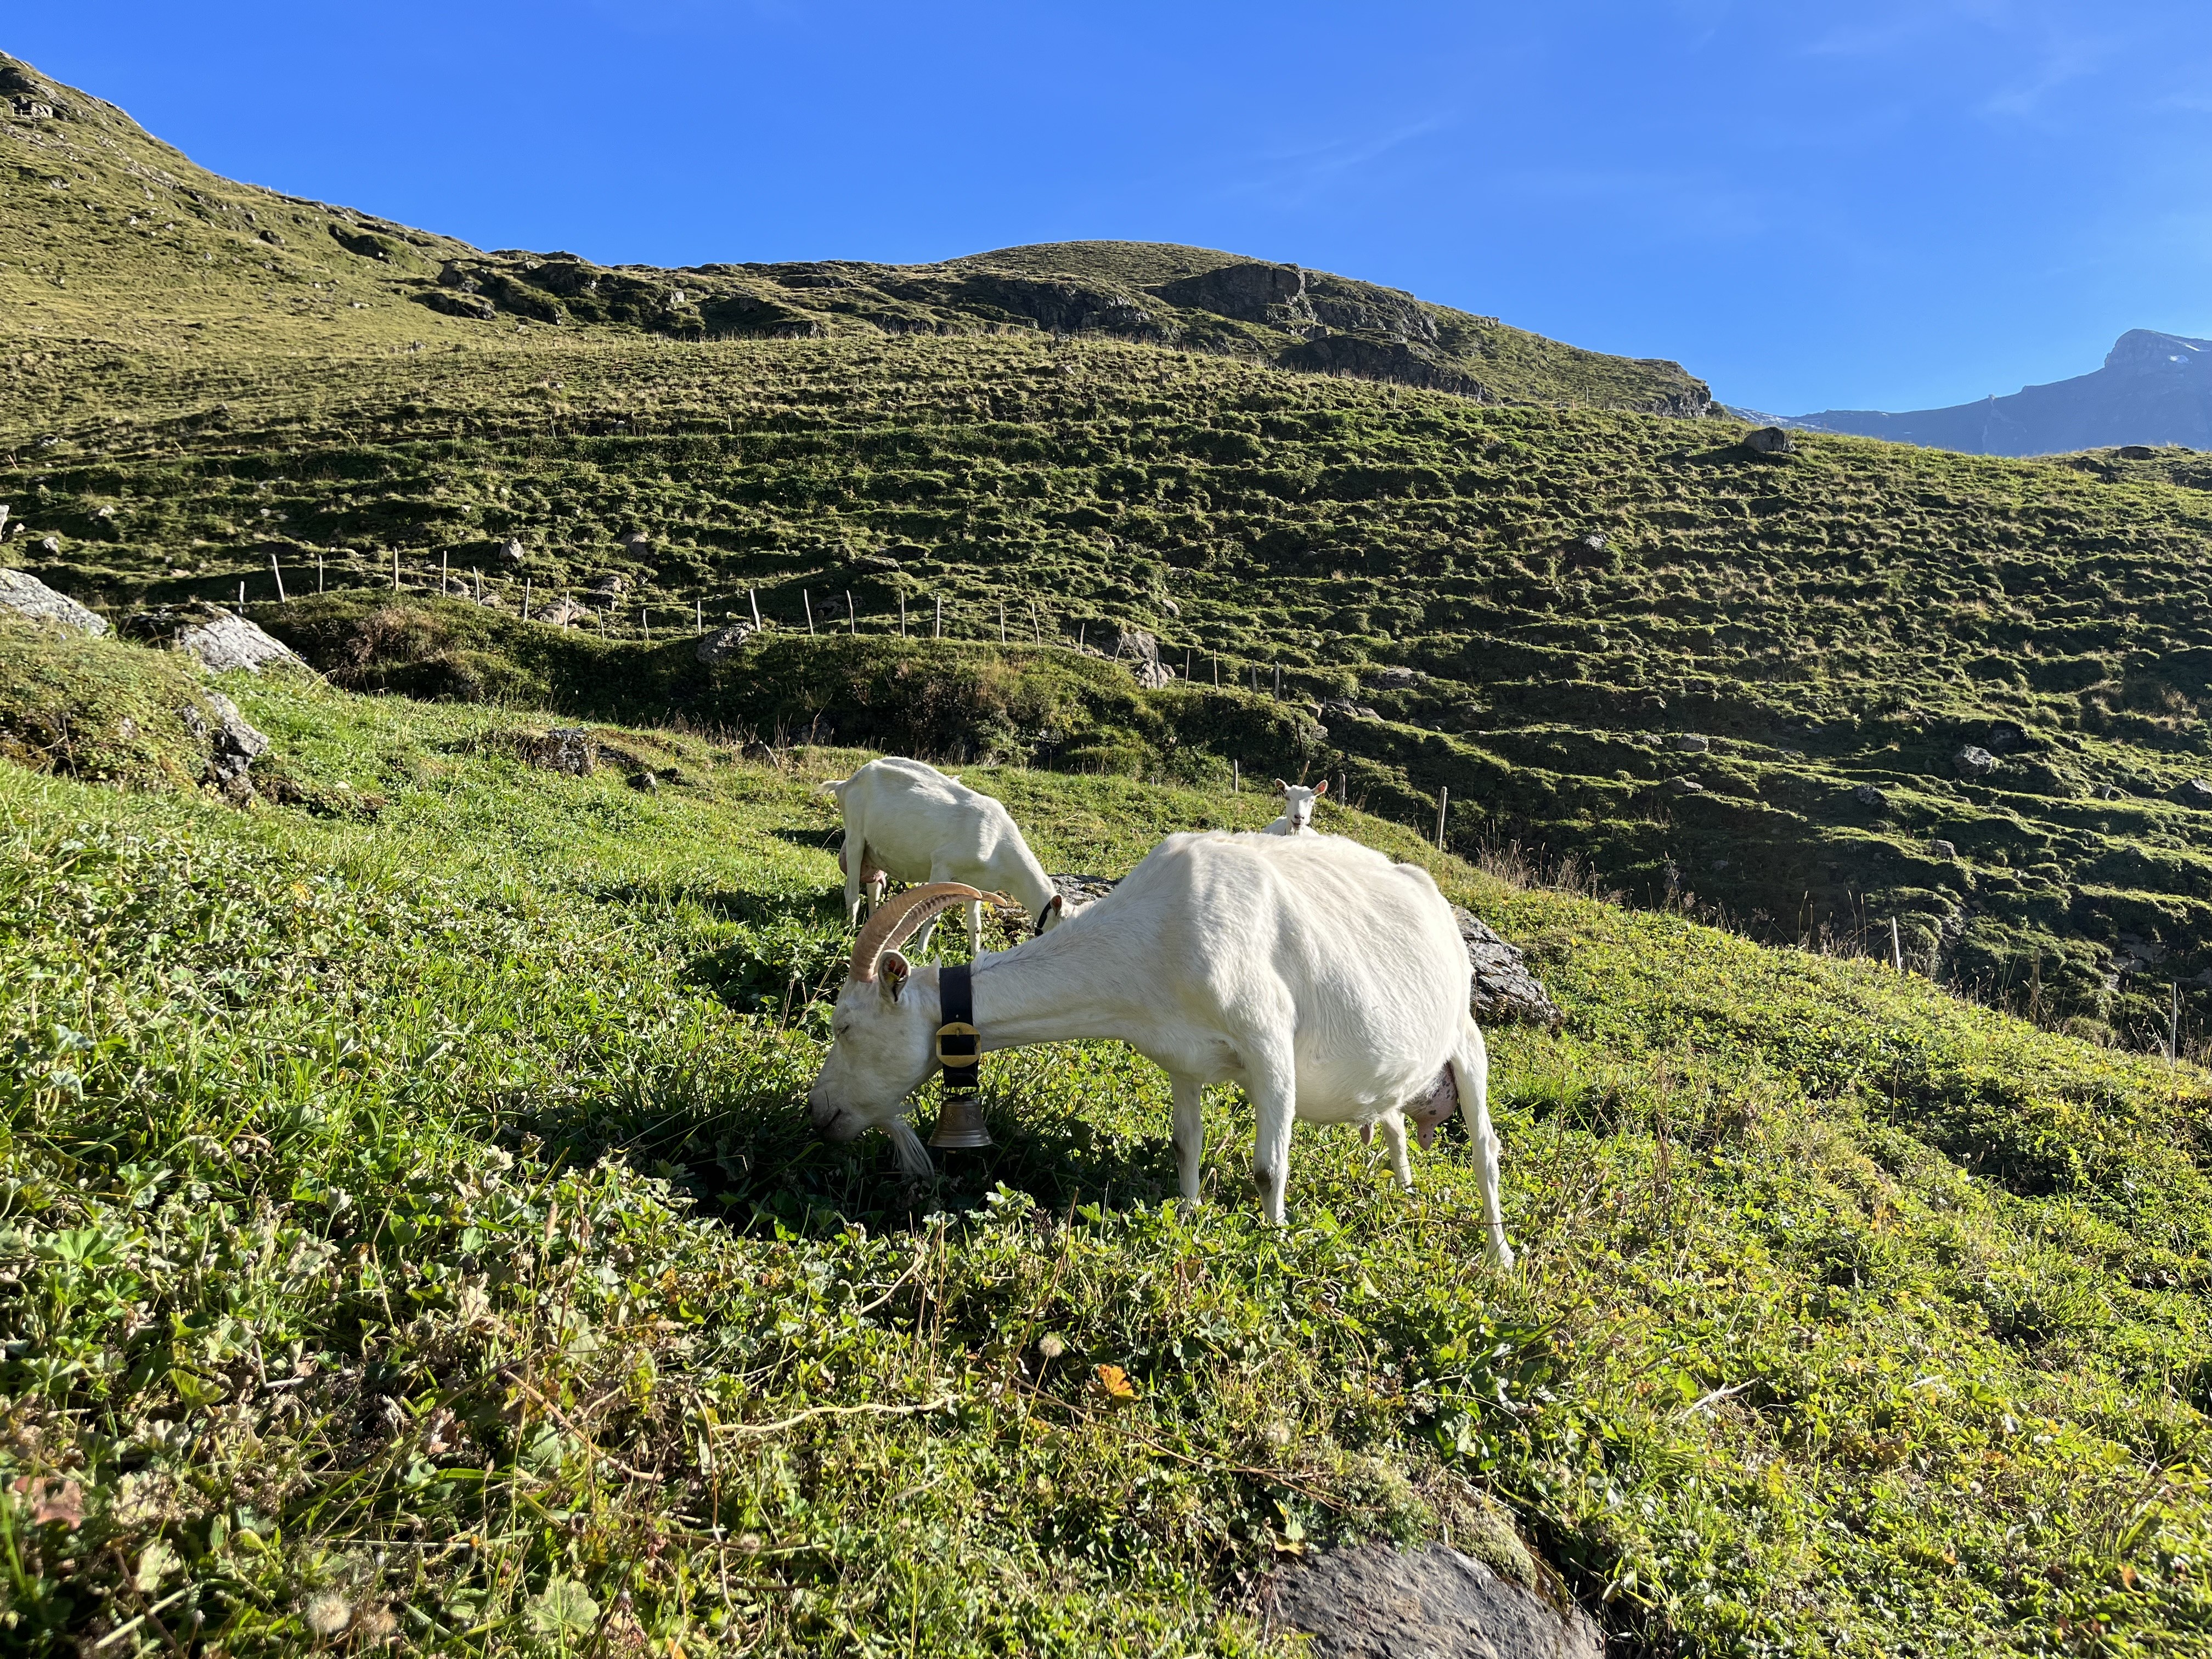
755	1162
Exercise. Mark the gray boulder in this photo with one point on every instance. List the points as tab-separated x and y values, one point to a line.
1867	795
233	744
1397	678
224	641
1770	440
1083	890
2197	791
26	596
1974	761
569	750
1943	849
1373	1601
1689	743
1684	787
1141	651
724	642
561	613
510	551
2137	452
1504	990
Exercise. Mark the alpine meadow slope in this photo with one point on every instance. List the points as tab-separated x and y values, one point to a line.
411	1240
1582	592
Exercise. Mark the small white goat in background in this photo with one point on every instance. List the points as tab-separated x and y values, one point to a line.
907	821
1330	983
1297	808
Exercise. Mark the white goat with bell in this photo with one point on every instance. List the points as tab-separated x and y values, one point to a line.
907	821
1330	983
1298	808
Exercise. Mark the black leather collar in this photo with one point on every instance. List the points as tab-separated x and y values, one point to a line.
959	1044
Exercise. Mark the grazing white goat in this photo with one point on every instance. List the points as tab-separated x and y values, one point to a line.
907	821
1297	808
1331	983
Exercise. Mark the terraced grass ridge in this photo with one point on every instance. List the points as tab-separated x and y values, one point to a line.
412	1243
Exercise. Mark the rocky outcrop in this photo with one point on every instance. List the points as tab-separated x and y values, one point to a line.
1368	359
26	596
1374	1602
1506	992
724	642
221	642
1141	651
233	744
569	750
1974	762
1770	440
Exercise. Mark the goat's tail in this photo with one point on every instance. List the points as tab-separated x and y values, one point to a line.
834	787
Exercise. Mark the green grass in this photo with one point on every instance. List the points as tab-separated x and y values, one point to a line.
412	1225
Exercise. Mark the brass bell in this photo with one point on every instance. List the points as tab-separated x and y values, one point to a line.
960	1124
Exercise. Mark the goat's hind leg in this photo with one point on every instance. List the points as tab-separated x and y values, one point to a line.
1392	1126
1271	1082
1470	1067
1189	1133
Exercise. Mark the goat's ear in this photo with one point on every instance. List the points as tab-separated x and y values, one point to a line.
1321	788
891	974
1058	908
1282	788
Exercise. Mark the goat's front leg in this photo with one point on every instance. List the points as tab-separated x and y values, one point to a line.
1270	1082
1189	1133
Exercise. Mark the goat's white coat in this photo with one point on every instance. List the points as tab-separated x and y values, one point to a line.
910	822
1330	983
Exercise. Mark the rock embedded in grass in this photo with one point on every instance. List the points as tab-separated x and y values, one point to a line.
1974	761
28	596
1372	1601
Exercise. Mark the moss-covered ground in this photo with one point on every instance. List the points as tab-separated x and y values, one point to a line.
411	1234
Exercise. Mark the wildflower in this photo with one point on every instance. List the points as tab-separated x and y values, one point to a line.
329	1613
1052	1347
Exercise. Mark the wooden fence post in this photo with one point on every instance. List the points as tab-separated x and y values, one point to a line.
2173	1028
1082	635
242	595
806	598
1896	947
644	622
1037	628
851	616
1002	622
1235	777
752	598
395	571
279	576
445	582
940	630
1279	681
1444	801
1217	671
318	573
902	614
525	599
699	615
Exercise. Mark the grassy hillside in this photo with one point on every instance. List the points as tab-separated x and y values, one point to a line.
1584	588
412	1232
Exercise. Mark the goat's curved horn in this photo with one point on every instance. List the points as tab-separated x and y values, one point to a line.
902	918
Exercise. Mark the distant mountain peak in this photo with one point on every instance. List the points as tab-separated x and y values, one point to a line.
2155	388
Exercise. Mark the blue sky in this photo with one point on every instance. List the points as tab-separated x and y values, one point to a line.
1869	204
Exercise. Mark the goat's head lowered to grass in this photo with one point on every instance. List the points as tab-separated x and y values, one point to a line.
883	1036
